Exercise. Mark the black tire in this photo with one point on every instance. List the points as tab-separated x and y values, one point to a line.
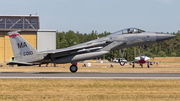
148	66
73	68
132	66
122	63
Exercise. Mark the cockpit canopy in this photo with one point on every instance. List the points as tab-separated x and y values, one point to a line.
129	31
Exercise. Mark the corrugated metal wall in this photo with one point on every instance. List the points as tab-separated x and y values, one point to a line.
46	40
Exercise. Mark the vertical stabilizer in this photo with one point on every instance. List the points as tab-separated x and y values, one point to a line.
21	48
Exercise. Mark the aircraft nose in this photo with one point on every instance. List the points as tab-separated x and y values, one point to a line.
163	36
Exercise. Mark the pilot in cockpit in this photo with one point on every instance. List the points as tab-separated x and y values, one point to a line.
135	30
130	30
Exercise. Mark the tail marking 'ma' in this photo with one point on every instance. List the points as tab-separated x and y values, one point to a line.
22	45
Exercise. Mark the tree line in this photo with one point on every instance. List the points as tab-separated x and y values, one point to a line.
167	48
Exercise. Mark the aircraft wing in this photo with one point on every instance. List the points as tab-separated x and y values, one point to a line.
132	62
146	62
76	47
84	47
152	62
19	63
79	46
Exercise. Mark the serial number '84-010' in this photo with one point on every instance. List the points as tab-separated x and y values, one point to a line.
27	53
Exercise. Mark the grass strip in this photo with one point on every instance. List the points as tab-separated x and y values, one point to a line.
90	89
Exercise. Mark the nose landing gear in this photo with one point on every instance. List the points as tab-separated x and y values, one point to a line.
122	63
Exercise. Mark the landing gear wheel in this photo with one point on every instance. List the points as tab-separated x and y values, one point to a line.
122	63
73	68
148	65
40	65
133	66
141	65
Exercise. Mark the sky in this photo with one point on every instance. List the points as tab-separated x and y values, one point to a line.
99	15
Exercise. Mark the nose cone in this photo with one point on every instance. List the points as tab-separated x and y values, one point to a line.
142	57
163	36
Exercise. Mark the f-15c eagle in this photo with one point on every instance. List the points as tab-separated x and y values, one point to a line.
26	55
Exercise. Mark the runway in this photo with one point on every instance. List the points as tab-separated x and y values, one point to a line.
68	75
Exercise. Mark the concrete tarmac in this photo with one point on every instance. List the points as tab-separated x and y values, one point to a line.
78	75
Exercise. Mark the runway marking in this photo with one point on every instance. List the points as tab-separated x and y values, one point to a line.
89	77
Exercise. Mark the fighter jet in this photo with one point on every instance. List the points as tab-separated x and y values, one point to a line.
142	59
26	55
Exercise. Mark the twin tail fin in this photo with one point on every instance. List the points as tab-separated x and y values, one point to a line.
21	48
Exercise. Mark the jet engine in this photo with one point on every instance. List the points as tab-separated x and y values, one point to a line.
151	63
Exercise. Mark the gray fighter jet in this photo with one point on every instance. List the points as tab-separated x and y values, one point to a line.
26	55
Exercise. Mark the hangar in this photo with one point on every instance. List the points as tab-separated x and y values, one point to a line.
40	39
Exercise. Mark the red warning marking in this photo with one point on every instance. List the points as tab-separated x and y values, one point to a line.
142	61
75	64
13	35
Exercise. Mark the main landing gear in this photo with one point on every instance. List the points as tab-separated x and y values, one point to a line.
141	65
148	65
73	68
133	65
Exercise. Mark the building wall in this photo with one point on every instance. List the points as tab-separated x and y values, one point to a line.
2	47
8	53
46	40
5	45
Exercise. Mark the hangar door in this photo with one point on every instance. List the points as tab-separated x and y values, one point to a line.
2	47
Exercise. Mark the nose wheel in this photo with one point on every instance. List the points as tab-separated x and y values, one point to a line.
122	63
73	68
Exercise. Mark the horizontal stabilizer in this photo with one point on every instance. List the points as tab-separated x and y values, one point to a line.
20	63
